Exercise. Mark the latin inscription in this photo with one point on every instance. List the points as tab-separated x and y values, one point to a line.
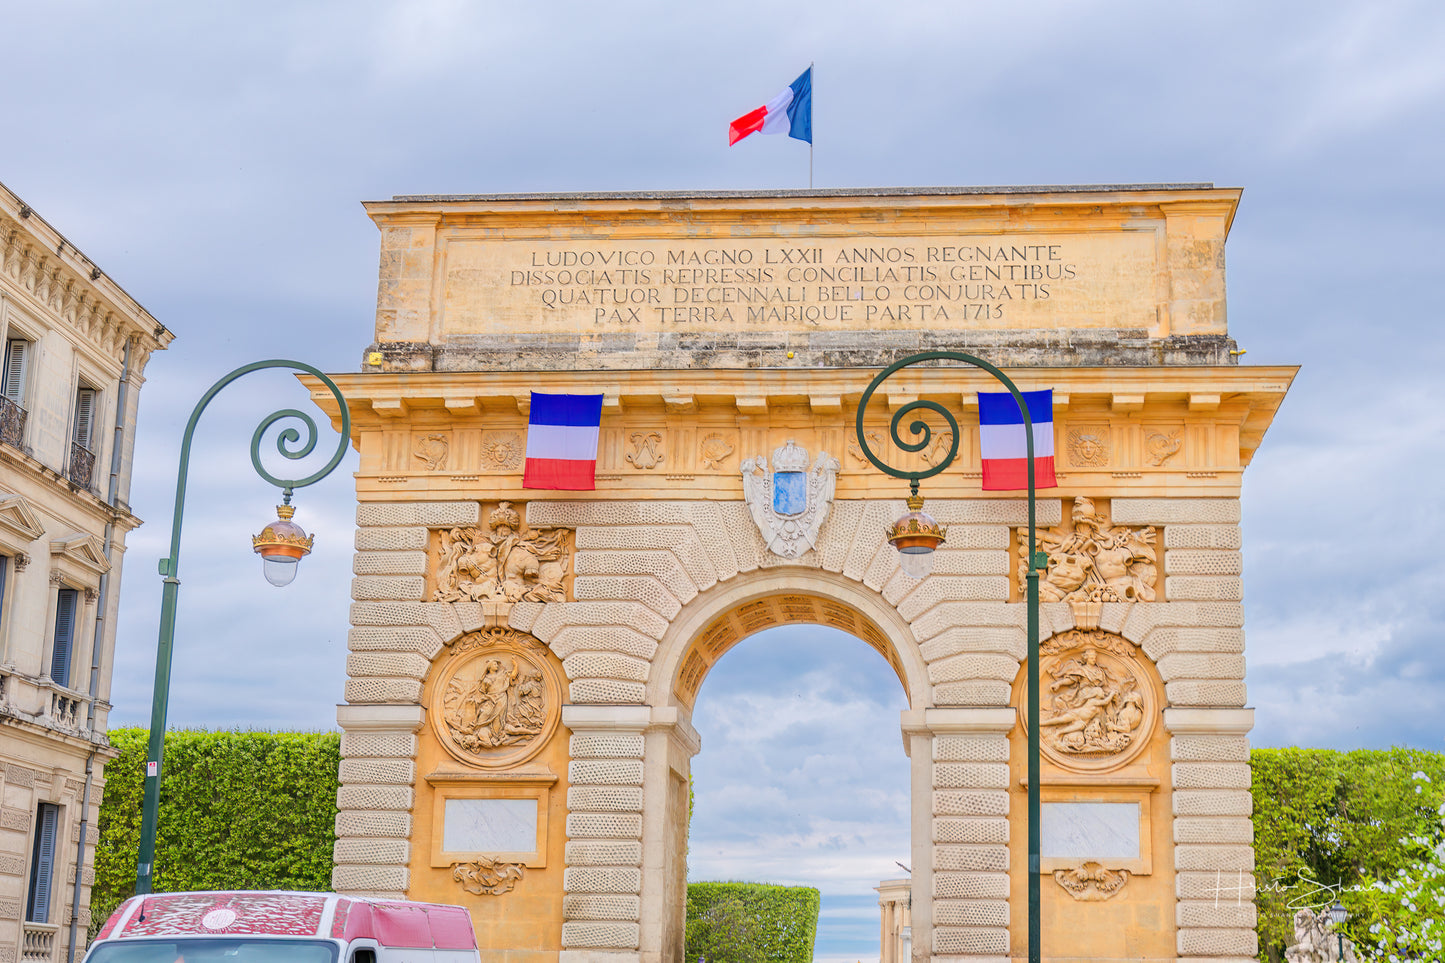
1004	281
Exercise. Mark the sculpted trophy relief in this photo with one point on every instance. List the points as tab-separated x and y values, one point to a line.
496	700
1096	707
1092	560
502	564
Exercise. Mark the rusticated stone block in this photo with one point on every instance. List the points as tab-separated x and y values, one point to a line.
606	692
986	802
604	825
974	667
370	824
424	514
600	638
1210	775
411	538
560	615
1219	858
970	775
399	772
387	881
977	858
608	772
1213	829
1010	641
607	745
1192	748
980	693
383	691
640	588
603	852
1175	511
389	852
970	830
1213	802
1191	562
374	797
420	639
388	563
1200	692
1195	665
1206	913
1204	588
587	906
605	665
602	879
947	912
387	664
366	743
1222	537
971	940
970	748
604	798
1218	942
970	885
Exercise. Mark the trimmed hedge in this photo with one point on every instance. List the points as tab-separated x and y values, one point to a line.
239	810
751	923
1329	818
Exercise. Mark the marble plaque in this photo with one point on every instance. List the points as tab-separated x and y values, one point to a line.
490	826
1077	830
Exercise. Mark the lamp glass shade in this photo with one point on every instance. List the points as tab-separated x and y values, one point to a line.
916	561
279	569
1338	914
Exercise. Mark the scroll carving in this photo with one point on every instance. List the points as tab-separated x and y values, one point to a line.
1160	447
502	564
498	699
1091	882
1092	560
646	450
1097	707
487	877
432	450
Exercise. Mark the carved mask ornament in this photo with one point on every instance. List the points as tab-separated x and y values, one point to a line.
789	503
1096	706
497	701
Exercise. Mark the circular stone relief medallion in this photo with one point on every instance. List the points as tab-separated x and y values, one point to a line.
497	701
1096	704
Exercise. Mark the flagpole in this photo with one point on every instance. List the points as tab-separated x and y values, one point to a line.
812	86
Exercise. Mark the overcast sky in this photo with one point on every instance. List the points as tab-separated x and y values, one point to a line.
211	157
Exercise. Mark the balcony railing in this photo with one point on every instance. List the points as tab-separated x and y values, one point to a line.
82	465
38	943
12	422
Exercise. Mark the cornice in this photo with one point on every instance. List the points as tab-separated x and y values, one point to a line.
53	277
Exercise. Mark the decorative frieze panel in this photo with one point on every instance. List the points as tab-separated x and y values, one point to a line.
502	563
1091	881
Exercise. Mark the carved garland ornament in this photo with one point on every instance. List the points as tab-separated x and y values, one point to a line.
502	564
1092	560
487	877
497	701
1096	706
1091	882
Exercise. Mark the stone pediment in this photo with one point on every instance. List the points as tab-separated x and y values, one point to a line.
18	518
87	551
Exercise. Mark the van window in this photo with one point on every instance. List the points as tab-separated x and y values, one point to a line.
365	955
207	950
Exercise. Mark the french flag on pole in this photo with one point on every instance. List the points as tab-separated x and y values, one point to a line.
1003	447
562	442
790	112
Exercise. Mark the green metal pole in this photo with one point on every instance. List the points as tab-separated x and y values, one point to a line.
171	565
1037	562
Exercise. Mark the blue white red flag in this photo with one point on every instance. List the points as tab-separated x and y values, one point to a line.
790	112
1003	447
562	442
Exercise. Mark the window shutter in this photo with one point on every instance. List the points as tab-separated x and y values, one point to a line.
16	351
64	636
42	866
84	416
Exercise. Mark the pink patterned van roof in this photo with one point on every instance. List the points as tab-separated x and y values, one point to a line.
389	922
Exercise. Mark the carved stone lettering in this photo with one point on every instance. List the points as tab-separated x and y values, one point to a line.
1092	560
502	564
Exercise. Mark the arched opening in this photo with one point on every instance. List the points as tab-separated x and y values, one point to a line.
802	781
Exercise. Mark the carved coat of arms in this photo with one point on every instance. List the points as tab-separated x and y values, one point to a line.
790	503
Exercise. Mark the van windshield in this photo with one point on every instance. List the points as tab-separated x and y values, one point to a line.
214	951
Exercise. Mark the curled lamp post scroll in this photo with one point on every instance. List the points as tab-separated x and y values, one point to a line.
916	533
293	543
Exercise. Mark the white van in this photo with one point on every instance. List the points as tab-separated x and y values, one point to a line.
283	927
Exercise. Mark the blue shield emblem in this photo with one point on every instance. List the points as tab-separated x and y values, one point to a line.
790	492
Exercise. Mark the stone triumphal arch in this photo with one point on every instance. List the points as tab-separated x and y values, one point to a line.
524	663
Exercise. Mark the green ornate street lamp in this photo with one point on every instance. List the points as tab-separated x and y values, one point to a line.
281	545
916	535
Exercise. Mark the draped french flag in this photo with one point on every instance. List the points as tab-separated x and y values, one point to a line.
790	112
562	442
1002	445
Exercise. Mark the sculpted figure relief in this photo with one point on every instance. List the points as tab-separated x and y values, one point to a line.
1091	560
496	700
1096	706
502	564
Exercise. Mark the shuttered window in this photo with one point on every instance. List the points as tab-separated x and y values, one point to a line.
12	380
42	863
84	417
64	636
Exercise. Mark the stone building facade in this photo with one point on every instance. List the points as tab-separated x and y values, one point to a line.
75	349
524	663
